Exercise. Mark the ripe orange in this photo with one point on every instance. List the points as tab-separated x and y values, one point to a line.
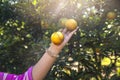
71	24
111	15
57	37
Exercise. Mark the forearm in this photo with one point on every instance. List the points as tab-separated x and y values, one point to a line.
44	64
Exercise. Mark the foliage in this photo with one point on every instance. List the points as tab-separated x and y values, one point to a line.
26	27
17	35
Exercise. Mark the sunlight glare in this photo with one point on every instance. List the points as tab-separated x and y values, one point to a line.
79	5
88	9
109	26
60	6
119	33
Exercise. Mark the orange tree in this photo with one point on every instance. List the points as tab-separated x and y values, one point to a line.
18	32
91	54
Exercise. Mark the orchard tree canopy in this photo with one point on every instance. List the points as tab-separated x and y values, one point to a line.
93	53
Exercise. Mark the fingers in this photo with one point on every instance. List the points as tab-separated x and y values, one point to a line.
65	31
60	30
74	30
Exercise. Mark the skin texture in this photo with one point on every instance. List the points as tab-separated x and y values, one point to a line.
42	67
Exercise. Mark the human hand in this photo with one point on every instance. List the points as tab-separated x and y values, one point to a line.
67	36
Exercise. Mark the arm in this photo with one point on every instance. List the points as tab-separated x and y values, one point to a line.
42	67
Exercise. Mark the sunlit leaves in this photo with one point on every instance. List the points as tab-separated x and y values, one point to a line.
105	61
28	36
118	71
34	2
1	31
118	62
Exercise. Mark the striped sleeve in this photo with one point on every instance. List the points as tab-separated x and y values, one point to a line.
25	76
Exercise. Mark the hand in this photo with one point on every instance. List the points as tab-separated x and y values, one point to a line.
67	35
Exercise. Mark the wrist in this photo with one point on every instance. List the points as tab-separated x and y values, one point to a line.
55	49
52	53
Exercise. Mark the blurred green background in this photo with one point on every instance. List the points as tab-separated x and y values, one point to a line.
93	53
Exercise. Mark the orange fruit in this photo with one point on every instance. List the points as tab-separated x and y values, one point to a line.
57	37
71	24
111	15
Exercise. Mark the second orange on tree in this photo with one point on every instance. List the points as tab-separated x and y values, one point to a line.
71	24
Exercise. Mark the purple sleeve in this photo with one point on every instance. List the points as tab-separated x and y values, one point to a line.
25	76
